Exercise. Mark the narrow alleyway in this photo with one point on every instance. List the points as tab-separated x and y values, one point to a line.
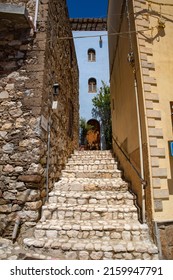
91	212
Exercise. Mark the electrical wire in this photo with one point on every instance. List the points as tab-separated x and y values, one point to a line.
159	4
120	33
130	13
105	35
142	12
135	13
129	25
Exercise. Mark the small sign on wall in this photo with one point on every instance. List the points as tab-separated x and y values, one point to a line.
44	122
55	105
171	148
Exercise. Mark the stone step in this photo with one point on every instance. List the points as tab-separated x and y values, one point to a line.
105	230
91	184
90	166
92	157
90	214
97	158
94	249
91	197
56	211
92	174
90	153
84	160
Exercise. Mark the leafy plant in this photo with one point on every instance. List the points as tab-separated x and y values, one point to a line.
102	111
83	129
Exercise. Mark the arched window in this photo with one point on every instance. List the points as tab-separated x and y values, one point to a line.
92	85
91	55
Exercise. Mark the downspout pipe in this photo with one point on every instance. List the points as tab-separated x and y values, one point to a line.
48	157
131	60
48	146
36	14
143	183
158	242
15	229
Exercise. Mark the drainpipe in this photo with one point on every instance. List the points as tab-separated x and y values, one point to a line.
131	60
48	157
158	242
143	183
15	230
48	143
36	14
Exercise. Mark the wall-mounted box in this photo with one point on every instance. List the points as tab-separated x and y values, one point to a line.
171	105
171	148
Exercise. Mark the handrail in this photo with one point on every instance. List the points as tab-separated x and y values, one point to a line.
137	172
143	182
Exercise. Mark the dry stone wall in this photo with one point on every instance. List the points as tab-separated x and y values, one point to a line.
30	63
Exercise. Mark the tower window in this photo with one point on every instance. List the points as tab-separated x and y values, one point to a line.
91	55
92	85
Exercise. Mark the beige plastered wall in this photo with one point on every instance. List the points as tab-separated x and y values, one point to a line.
156	61
163	58
153	50
153	61
124	113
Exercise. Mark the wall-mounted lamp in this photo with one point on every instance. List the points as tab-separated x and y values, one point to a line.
55	89
161	23
55	94
100	42
130	58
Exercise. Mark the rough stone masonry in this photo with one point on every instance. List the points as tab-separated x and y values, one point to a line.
31	62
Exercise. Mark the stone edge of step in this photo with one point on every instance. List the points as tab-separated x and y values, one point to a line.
92	245
83	225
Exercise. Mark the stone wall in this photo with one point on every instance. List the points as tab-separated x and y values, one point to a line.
30	63
29	4
165	237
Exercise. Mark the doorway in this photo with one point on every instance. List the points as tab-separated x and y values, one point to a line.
93	135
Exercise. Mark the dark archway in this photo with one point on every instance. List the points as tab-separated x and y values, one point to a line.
93	135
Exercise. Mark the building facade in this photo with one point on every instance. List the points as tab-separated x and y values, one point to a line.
91	44
38	106
141	69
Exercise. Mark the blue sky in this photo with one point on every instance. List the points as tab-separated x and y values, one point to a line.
87	8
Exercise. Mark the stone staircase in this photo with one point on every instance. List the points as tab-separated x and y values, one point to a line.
91	214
